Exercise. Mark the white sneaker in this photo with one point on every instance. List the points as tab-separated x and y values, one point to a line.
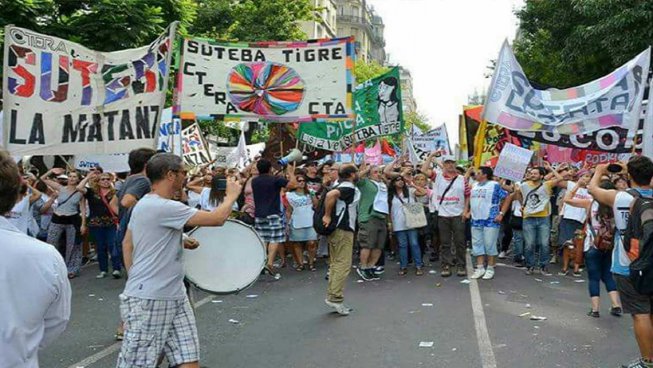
341	308
489	274
101	275
478	273
502	255
116	274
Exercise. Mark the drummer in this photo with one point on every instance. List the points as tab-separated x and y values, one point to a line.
154	306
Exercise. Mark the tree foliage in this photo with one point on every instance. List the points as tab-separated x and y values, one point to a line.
252	20
570	42
364	71
417	119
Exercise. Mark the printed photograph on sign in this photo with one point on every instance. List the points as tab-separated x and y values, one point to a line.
276	81
63	98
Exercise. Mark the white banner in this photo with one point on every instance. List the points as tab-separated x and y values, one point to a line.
195	149
277	81
421	145
63	98
433	140
115	163
613	100
513	162
225	157
170	133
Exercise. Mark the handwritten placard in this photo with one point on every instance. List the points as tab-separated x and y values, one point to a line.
513	162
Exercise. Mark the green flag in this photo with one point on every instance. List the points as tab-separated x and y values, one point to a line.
378	108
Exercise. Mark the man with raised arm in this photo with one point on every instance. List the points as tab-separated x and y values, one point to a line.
154	306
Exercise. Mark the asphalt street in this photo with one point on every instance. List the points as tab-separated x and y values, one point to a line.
286	323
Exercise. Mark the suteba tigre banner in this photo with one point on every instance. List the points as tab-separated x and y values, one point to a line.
63	98
275	81
379	112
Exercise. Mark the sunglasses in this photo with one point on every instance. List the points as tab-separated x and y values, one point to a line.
102	179
301	181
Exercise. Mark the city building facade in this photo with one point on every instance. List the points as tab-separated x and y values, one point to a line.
325	24
356	18
407	99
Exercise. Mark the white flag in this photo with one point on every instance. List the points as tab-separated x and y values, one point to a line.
239	154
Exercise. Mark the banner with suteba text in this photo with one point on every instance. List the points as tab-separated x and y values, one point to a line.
63	98
379	112
613	100
274	81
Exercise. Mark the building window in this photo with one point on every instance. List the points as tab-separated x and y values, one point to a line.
355	11
319	33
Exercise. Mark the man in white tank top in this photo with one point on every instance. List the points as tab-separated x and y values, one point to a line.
450	196
640	171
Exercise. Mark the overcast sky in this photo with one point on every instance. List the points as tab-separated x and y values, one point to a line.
446	45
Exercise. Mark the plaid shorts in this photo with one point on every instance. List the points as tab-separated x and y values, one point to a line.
156	327
271	229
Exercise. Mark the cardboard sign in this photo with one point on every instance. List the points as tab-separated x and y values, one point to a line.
513	162
195	149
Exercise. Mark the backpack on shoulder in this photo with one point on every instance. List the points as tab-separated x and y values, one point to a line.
638	243
318	225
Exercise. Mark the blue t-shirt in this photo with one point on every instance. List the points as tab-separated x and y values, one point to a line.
497	196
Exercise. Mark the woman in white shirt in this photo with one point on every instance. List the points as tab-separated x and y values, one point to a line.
300	222
598	255
398	194
211	197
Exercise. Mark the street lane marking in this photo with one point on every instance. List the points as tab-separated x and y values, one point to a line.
116	347
482	334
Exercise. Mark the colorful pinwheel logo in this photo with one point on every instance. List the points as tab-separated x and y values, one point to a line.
265	88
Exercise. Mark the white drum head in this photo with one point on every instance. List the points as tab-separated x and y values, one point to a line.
229	259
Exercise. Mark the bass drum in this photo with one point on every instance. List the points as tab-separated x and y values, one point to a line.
230	258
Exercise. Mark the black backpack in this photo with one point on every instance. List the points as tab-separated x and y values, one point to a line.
638	243
319	213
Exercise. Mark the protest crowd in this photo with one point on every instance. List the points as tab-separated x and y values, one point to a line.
564	220
423	207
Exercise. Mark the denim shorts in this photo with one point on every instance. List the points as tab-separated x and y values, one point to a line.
484	240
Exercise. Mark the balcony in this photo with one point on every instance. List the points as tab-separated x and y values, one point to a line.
355	20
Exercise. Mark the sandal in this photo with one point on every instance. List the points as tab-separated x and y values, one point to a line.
299	268
119	336
312	268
